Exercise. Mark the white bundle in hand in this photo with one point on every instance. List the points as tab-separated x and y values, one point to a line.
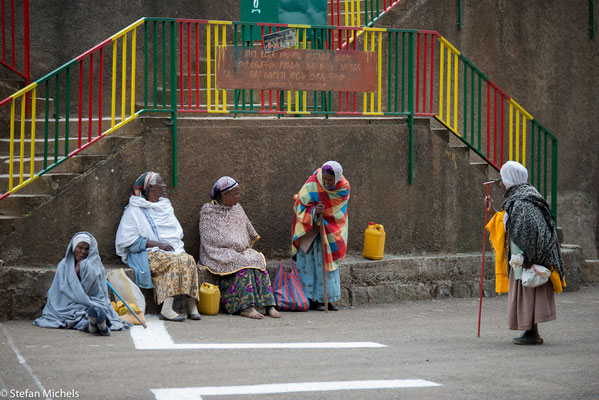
516	261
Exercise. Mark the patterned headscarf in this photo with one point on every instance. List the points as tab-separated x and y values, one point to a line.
333	168
223	185
513	173
141	185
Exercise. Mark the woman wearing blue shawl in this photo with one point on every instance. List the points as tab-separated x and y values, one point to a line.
78	298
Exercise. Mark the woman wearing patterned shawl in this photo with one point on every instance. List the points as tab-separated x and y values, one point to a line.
149	240
226	240
324	196
78	298
526	228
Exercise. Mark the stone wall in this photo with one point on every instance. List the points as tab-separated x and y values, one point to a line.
540	53
440	212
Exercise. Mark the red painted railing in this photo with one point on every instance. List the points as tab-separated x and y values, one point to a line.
15	49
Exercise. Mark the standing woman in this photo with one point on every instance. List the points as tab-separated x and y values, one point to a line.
526	227
322	199
149	240
78	298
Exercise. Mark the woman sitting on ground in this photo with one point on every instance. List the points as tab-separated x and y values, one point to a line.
149	240
525	227
226	240
323	196
78	298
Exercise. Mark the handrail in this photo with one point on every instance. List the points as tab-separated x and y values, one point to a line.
15	49
481	114
421	78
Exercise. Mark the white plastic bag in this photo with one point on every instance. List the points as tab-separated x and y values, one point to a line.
534	276
126	288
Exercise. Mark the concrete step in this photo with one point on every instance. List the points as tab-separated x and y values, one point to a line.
20	204
77	163
48	184
40	127
590	271
393	279
482	166
103	146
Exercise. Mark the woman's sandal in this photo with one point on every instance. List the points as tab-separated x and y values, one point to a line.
251	313
272	312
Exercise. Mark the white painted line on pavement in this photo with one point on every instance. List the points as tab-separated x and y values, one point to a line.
196	393
156	337
23	362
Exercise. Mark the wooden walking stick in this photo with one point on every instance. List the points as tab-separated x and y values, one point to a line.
482	270
323	242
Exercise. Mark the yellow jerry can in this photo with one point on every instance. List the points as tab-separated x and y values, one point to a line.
374	241
209	299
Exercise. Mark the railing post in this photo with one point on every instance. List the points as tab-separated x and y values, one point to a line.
459	15
592	18
26	40
411	105
554	178
173	57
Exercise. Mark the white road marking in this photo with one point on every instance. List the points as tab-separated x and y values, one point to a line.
196	393
23	362
156	337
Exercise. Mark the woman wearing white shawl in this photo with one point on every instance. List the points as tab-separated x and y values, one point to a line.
78	298
532	238
149	240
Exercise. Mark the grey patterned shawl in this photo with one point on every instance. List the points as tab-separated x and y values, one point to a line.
531	227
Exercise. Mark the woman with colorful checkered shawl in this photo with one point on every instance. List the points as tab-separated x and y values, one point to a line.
322	199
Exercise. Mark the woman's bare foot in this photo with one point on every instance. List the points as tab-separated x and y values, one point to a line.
272	312
250	312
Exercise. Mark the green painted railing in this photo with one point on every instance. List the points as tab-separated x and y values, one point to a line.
419	73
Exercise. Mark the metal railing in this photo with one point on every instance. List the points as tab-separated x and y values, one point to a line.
15	48
419	73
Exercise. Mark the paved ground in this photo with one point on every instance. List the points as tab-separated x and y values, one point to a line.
434	341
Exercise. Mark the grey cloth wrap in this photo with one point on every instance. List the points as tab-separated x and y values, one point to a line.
531	227
70	298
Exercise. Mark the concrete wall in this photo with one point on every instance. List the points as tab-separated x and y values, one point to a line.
440	212
540	53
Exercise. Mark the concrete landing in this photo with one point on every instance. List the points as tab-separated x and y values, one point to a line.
393	279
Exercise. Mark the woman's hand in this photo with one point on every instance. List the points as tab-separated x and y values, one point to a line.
78	267
161	245
489	204
319	209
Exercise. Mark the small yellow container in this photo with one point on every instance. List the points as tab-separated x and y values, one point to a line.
374	242
209	299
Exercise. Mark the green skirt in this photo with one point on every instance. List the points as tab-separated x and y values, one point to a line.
245	288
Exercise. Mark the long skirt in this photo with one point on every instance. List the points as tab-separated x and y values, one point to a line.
309	267
173	274
246	288
527	306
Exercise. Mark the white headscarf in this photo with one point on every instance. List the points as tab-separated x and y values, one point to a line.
513	173
337	169
81	237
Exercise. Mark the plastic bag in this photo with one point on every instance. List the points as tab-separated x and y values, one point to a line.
126	288
534	276
287	289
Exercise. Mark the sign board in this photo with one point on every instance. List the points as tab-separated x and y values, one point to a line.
305	12
279	40
296	69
